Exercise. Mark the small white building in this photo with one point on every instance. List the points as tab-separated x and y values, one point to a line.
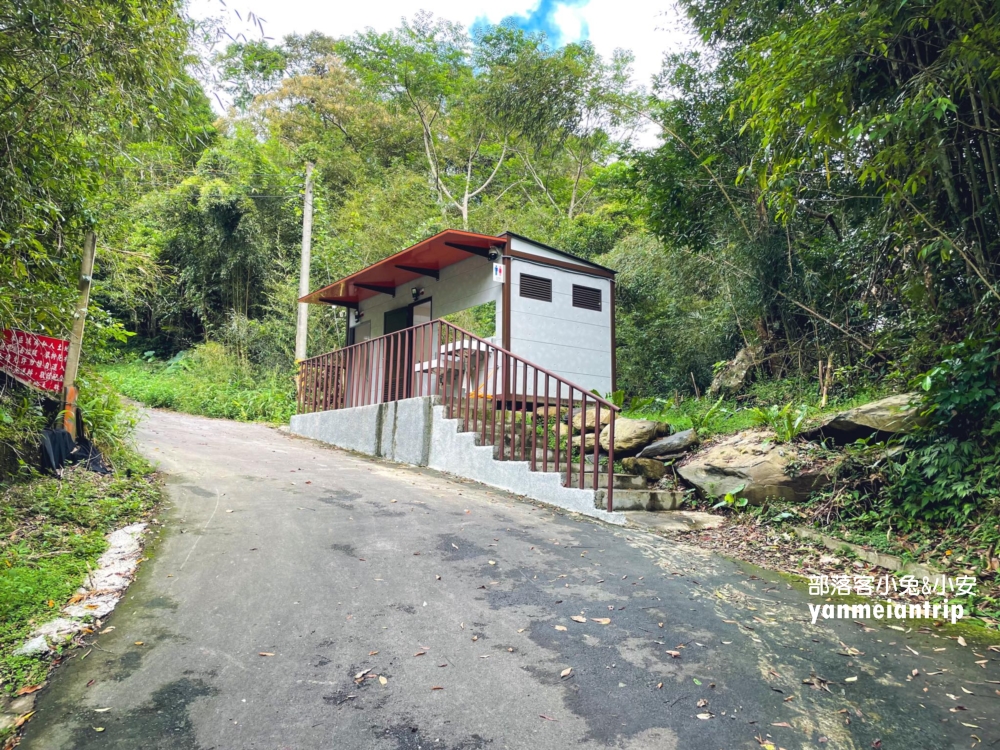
475	355
551	308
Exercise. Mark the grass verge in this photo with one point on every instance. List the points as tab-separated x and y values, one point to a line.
207	380
51	531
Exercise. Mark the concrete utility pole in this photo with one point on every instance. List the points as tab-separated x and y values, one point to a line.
302	329
76	337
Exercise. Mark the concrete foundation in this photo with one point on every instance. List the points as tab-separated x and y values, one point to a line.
415	431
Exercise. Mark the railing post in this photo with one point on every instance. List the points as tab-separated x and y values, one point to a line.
569	439
545	426
611	461
524	407
583	440
597	441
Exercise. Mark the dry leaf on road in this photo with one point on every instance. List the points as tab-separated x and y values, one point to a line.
566	672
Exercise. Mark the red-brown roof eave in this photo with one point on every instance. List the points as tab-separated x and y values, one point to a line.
433	254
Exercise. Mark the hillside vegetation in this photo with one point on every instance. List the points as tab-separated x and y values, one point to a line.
825	189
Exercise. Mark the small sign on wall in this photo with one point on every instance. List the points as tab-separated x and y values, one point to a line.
498	273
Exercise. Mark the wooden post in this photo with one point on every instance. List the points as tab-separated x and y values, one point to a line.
302	328
76	337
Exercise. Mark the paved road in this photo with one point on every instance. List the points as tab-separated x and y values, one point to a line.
461	600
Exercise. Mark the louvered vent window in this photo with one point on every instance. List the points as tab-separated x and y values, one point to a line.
586	297
535	287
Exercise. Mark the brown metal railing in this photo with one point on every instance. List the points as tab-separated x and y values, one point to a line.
510	403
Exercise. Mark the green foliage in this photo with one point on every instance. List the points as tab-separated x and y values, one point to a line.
75	89
786	422
950	471
209	380
53	532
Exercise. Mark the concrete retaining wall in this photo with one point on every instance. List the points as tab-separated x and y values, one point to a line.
415	431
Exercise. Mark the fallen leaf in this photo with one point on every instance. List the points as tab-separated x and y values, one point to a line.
98	729
566	672
138	643
781	724
601	620
850	679
967	692
437	687
102	710
702	702
560	627
706	715
420	653
360	675
265	653
382	680
961	641
578	618
659	686
547	718
675	654
372	653
30	689
521	630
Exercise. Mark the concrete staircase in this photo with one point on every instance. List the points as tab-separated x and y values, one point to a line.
632	492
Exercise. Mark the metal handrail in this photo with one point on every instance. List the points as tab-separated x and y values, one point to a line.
475	379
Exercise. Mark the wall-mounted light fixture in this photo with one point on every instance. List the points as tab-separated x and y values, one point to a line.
358	316
417	292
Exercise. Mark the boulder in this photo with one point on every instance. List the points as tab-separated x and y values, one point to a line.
550	411
588	444
652	471
731	378
750	465
883	418
591	417
632	435
677	443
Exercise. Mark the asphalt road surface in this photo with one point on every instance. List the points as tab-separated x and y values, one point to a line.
302	597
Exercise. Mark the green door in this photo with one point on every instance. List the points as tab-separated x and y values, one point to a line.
396	320
397	355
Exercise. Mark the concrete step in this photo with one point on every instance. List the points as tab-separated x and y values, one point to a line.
640	499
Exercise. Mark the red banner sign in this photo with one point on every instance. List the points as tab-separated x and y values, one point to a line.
38	361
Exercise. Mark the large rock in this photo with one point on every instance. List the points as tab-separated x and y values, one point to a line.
678	443
591	419
588	444
883	418
732	377
632	435
647	468
750	465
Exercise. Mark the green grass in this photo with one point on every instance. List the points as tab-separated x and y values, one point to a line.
736	414
207	381
51	530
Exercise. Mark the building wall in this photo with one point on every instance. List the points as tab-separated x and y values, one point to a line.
570	341
461	286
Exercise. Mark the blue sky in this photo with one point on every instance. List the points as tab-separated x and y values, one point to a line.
545	18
